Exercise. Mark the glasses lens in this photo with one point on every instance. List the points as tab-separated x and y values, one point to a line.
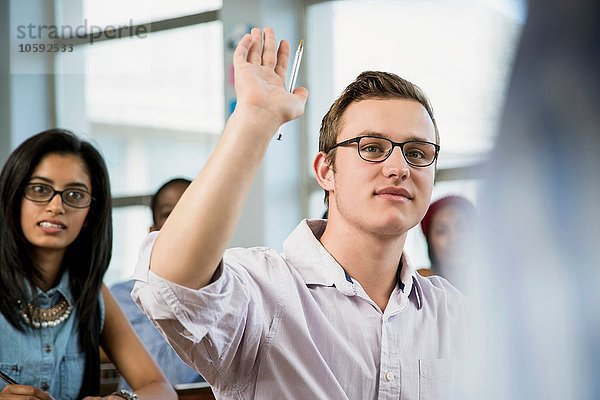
419	153
373	148
38	192
76	198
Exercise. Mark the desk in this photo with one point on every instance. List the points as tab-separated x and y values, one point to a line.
109	379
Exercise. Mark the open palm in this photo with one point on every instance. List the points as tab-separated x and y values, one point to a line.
260	71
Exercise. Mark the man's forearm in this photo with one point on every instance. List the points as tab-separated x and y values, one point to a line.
193	239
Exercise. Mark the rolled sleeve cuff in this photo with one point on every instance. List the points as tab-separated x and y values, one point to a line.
142	268
172	306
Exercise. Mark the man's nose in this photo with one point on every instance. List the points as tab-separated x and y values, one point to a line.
396	165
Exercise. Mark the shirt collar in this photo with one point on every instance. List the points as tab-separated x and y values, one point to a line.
63	288
305	253
408	282
313	262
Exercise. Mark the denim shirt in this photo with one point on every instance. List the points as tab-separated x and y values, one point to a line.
48	358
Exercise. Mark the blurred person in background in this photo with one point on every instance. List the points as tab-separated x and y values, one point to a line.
449	228
162	203
537	294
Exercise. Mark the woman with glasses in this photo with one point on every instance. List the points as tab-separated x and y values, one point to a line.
55	246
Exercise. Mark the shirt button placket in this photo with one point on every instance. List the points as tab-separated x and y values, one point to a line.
389	387
47	359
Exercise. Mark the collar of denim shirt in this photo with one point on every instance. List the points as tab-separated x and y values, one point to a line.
52	296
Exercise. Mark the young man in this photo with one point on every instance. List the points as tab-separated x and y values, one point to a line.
340	314
163	202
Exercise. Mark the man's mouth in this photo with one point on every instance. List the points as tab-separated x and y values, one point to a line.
394	192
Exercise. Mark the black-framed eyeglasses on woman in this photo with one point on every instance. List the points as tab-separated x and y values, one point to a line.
417	153
42	193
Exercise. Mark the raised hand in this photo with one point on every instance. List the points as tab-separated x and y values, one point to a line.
260	70
205	218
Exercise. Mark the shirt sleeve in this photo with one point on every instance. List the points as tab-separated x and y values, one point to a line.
220	329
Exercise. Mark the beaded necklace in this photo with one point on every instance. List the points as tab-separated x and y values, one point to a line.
39	317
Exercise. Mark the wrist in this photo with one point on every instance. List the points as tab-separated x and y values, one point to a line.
125	394
247	136
259	120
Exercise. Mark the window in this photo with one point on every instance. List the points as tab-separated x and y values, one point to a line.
106	12
152	103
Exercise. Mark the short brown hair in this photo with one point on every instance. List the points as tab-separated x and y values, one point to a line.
368	85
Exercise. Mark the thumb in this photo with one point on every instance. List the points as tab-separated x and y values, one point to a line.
302	93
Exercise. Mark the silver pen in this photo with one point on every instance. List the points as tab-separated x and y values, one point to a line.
295	69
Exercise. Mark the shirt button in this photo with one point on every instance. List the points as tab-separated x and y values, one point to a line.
389	376
48	348
45	386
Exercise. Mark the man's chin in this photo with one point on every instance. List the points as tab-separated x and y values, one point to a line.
391	227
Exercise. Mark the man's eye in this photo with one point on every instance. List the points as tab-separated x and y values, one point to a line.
415	154
372	148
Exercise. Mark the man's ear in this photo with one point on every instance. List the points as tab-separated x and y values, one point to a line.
324	171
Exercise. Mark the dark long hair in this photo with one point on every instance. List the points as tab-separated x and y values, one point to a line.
86	259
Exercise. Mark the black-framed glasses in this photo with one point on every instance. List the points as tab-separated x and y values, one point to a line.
42	193
417	153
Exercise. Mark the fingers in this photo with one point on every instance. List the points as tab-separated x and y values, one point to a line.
241	51
269	54
255	52
252	49
283	58
27	392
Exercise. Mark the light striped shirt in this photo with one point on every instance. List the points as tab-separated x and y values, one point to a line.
296	326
